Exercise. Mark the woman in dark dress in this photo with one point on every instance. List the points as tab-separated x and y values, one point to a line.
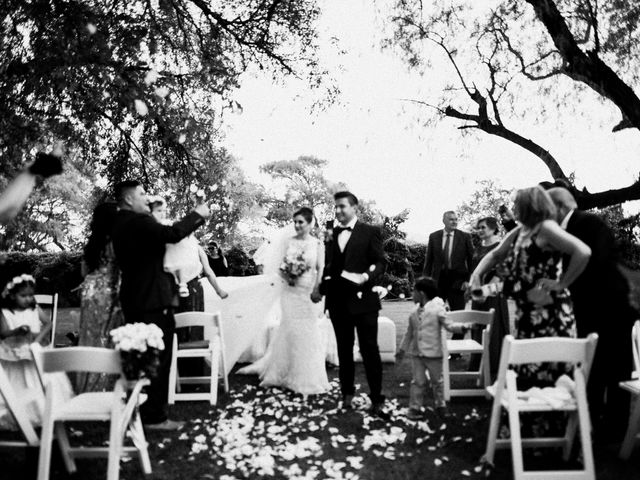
488	232
529	261
99	308
217	260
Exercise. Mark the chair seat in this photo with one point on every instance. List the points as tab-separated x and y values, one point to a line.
632	386
529	403
96	405
201	344
464	346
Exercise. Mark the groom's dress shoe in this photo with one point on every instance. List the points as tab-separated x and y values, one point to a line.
378	412
347	402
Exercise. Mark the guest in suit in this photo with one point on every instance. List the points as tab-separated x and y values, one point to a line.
448	261
354	260
147	292
601	304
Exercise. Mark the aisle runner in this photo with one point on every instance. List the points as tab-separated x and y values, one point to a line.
244	312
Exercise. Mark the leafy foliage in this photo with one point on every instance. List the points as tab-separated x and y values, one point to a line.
299	183
503	49
484	202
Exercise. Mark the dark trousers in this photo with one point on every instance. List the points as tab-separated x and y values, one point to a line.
154	410
452	294
608	403
366	324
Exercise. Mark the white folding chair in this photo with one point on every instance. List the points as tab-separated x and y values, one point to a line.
578	352
635	346
51	302
14	405
117	407
211	349
467	346
633	429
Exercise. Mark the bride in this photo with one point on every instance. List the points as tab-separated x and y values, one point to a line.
295	359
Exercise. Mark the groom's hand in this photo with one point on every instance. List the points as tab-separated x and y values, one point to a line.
357	278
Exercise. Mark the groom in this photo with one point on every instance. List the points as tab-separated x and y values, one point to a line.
354	259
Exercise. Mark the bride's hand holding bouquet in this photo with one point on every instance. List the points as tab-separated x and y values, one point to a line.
293	267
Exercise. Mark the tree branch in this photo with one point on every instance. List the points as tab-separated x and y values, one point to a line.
587	67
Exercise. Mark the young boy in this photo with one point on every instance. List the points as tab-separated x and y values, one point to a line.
423	343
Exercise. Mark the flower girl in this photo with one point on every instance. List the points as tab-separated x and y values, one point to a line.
23	322
181	259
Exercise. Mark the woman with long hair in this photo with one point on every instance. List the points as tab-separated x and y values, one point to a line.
100	308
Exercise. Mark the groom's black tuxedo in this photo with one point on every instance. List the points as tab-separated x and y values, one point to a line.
355	307
601	304
147	292
363	253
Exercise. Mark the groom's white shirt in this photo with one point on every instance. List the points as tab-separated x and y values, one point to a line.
345	235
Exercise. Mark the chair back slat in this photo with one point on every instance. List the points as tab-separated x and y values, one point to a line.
209	321
635	342
44	299
81	359
550	349
472	316
50	301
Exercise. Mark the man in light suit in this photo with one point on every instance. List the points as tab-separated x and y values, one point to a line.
448	261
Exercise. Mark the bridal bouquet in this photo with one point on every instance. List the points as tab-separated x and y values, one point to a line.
139	345
294	266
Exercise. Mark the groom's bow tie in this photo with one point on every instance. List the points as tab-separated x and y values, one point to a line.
339	229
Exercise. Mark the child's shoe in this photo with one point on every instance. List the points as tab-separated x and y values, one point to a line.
183	290
414	414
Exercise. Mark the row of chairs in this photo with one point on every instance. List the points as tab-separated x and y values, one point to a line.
118	408
579	352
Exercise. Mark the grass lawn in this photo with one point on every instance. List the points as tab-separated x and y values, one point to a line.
256	433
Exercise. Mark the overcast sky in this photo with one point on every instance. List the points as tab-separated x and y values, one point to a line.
375	144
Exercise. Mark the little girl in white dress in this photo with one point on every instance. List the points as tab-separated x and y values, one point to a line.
22	322
181	259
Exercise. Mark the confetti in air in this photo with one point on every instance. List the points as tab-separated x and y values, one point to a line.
141	107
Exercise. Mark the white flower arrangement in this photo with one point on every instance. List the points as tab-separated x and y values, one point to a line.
17	281
294	265
137	336
139	345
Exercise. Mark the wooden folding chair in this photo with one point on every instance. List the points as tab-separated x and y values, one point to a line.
635	346
467	346
15	406
51	302
578	352
211	349
118	407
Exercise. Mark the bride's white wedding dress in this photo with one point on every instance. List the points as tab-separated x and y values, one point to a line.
295	358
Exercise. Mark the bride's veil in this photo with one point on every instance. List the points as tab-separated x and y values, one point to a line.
273	250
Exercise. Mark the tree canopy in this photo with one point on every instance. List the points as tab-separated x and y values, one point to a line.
137	89
496	46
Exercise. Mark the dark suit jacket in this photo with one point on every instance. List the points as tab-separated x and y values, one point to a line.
461	256
139	244
362	254
601	293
